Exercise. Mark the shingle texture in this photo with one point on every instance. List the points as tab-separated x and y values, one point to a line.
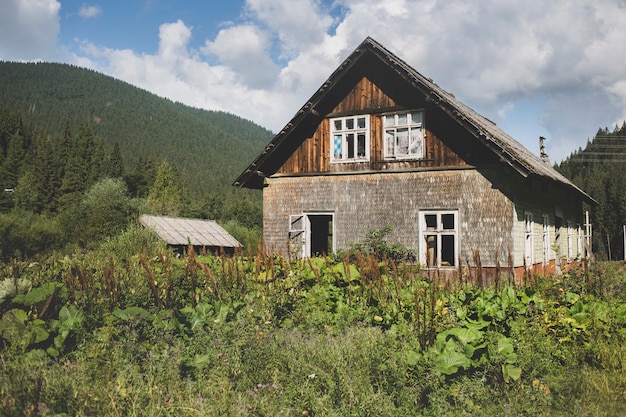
197	232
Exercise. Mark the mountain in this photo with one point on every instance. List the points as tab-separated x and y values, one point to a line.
208	148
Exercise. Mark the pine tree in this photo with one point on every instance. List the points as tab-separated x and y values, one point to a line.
11	166
115	164
77	172
141	176
164	195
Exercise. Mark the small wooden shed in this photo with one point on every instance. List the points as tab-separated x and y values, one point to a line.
202	234
380	144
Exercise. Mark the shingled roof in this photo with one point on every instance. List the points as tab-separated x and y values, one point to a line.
372	56
197	232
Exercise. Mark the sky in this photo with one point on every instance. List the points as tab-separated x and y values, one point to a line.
536	68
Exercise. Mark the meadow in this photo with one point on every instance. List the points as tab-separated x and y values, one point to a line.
130	330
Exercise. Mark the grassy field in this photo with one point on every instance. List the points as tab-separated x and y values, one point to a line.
123	331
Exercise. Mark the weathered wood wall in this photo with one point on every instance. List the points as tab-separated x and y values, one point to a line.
458	174
313	156
366	201
539	198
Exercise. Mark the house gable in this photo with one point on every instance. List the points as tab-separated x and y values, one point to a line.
473	137
313	156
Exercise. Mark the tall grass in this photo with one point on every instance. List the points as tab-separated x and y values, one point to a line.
264	335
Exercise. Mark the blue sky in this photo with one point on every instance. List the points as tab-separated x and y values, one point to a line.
536	68
135	23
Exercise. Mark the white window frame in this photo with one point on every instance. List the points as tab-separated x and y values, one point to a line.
570	240
403	135
344	138
579	241
300	233
546	239
528	239
433	238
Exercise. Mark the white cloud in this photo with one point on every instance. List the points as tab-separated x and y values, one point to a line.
173	40
89	11
498	56
298	24
28	29
245	49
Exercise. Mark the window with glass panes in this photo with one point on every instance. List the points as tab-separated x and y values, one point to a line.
439	230
404	135
350	138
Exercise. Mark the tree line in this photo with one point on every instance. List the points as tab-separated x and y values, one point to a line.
600	171
72	188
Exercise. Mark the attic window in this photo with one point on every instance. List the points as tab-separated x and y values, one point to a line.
350	138
404	135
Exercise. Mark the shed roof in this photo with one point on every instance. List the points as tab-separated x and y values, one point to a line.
367	58
197	232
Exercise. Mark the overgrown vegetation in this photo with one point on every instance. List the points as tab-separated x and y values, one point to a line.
128	329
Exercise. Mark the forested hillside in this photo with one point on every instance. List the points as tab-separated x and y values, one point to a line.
207	148
600	170
83	154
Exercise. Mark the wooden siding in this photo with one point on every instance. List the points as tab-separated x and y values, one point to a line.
374	200
539	198
313	156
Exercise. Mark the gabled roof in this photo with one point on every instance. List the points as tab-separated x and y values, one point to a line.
197	232
368	58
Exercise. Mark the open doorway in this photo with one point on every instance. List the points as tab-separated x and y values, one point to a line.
311	234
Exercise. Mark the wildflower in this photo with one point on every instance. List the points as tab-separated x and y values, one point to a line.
378	318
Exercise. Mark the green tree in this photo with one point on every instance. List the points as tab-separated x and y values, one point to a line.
108	208
38	188
141	175
115	162
245	210
10	169
164	196
82	168
11	166
105	211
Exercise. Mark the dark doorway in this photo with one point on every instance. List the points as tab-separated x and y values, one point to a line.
321	234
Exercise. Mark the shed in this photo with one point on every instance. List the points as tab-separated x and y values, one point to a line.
379	144
179	233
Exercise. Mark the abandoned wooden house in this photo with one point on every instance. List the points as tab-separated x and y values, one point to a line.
379	144
202	235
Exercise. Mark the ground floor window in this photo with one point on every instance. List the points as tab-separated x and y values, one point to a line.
528	239
546	239
311	234
570	240
439	238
